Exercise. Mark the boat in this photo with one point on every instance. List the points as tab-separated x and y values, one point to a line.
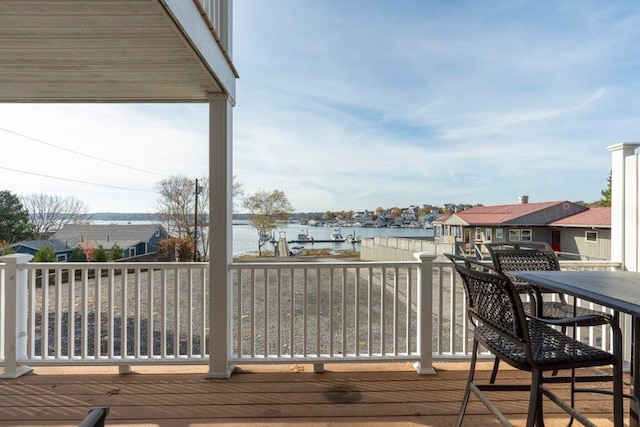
336	235
304	237
351	238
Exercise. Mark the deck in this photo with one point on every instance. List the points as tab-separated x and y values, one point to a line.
281	395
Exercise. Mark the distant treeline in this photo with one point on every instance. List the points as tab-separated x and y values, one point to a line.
121	216
124	216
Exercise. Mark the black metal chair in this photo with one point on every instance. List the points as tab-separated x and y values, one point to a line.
96	417
531	344
534	256
538	256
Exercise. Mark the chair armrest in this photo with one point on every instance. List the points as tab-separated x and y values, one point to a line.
587	320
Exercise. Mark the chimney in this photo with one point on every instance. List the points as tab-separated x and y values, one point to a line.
523	199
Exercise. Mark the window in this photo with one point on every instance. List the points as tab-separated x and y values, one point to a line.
478	234
61	258
487	235
158	232
591	236
499	233
516	235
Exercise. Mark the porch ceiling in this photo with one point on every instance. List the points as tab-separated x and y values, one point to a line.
98	51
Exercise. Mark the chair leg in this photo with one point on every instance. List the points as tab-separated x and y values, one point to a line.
494	372
534	414
467	391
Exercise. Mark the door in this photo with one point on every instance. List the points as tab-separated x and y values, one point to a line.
555	240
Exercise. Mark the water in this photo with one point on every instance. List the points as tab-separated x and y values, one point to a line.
245	238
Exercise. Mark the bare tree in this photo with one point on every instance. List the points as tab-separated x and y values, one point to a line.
265	209
49	214
176	208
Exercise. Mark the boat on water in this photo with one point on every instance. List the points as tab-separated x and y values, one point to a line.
336	235
303	236
351	238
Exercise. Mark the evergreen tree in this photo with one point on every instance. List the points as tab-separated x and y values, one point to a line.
45	254
115	253
78	255
14	219
99	255
606	194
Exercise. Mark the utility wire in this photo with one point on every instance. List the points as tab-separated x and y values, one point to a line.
80	154
76	180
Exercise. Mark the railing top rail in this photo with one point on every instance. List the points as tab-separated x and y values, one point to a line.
322	264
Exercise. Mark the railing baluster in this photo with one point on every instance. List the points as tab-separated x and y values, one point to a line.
164	279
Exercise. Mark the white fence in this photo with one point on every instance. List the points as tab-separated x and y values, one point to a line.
296	312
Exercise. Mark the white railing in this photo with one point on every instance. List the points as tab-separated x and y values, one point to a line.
217	15
309	312
295	312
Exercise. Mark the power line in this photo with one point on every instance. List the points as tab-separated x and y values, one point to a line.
81	154
76	180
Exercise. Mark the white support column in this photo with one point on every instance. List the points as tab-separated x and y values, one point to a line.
220	235
624	205
15	312
425	313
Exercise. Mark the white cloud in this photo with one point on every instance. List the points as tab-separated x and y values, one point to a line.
376	104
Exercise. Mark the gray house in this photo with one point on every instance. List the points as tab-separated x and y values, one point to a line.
134	239
586	233
518	222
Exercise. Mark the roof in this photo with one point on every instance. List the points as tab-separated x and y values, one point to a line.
510	214
114	51
594	217
107	235
57	245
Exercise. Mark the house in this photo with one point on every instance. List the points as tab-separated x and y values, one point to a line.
518	222
31	247
587	233
133	239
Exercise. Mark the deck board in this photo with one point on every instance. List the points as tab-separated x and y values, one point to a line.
361	395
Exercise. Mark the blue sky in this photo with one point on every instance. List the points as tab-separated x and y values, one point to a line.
360	104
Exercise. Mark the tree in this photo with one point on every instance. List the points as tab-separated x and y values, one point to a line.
175	249
606	194
14	219
115	253
78	255
45	254
49	214
99	254
176	208
265	209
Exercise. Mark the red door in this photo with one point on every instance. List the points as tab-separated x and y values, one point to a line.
555	241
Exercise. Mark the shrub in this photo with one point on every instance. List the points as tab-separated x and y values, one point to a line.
99	254
78	255
115	253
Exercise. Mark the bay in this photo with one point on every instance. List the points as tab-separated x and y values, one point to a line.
245	238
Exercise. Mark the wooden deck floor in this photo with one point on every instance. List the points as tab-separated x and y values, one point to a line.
285	395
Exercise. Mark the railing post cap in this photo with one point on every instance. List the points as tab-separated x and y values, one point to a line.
424	256
16	258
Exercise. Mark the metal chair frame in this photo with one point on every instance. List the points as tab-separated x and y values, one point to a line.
531	344
538	256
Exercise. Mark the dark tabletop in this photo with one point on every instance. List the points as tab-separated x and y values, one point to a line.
619	290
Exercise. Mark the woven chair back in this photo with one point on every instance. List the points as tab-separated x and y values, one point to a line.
491	298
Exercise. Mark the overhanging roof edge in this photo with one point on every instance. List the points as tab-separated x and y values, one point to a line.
191	24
